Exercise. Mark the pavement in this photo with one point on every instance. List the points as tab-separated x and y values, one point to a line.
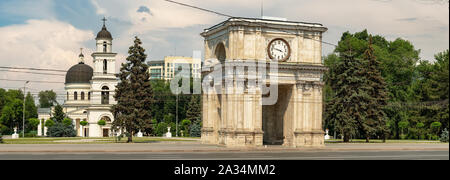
278	155
195	150
195	146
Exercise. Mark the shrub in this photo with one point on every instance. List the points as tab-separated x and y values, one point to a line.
444	136
67	121
1	139
49	123
196	129
185	125
84	123
101	122
31	134
435	126
61	130
161	129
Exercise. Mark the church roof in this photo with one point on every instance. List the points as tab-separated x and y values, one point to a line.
104	34
80	73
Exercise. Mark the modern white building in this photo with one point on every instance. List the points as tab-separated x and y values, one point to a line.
90	90
169	67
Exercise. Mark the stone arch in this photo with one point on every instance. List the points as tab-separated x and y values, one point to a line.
220	52
102	116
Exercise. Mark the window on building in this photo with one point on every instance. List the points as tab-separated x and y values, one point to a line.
82	96
105	95
89	95
104	46
105	66
67	96
75	96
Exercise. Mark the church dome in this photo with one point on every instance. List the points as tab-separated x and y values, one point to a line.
104	34
80	73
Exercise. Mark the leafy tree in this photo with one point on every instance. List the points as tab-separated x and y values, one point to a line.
185	125
2	99
47	99
161	128
12	114
33	123
403	125
134	94
30	107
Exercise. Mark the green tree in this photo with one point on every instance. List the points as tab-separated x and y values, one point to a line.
49	123
134	93
67	121
194	111
375	121
58	114
61	130
47	99
12	114
185	125
33	123
346	109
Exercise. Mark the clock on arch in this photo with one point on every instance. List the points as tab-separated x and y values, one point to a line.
279	50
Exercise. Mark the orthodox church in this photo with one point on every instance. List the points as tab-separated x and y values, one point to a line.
90	91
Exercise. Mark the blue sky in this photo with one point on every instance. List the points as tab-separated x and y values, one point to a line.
49	33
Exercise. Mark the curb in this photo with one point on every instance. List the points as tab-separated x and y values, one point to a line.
224	150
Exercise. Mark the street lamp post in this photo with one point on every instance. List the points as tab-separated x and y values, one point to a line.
23	113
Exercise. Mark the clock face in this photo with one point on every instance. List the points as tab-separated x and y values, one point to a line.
279	50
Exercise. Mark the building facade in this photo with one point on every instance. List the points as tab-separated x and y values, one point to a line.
169	67
90	90
241	119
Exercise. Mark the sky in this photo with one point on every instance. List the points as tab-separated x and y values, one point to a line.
49	33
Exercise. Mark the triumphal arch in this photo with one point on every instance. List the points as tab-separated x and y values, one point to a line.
262	83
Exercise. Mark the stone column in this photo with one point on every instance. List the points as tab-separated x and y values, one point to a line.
39	131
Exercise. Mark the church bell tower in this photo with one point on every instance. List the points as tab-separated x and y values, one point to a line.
104	79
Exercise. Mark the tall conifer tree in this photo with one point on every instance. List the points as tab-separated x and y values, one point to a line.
376	118
134	94
347	109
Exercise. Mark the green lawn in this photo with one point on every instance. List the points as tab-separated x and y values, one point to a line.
81	140
380	141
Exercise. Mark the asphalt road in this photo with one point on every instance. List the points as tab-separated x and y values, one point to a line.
322	155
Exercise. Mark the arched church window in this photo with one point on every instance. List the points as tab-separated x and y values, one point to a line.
82	96
89	95
67	96
105	66
105	95
75	96
104	46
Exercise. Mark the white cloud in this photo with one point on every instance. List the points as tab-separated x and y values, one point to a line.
46	44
